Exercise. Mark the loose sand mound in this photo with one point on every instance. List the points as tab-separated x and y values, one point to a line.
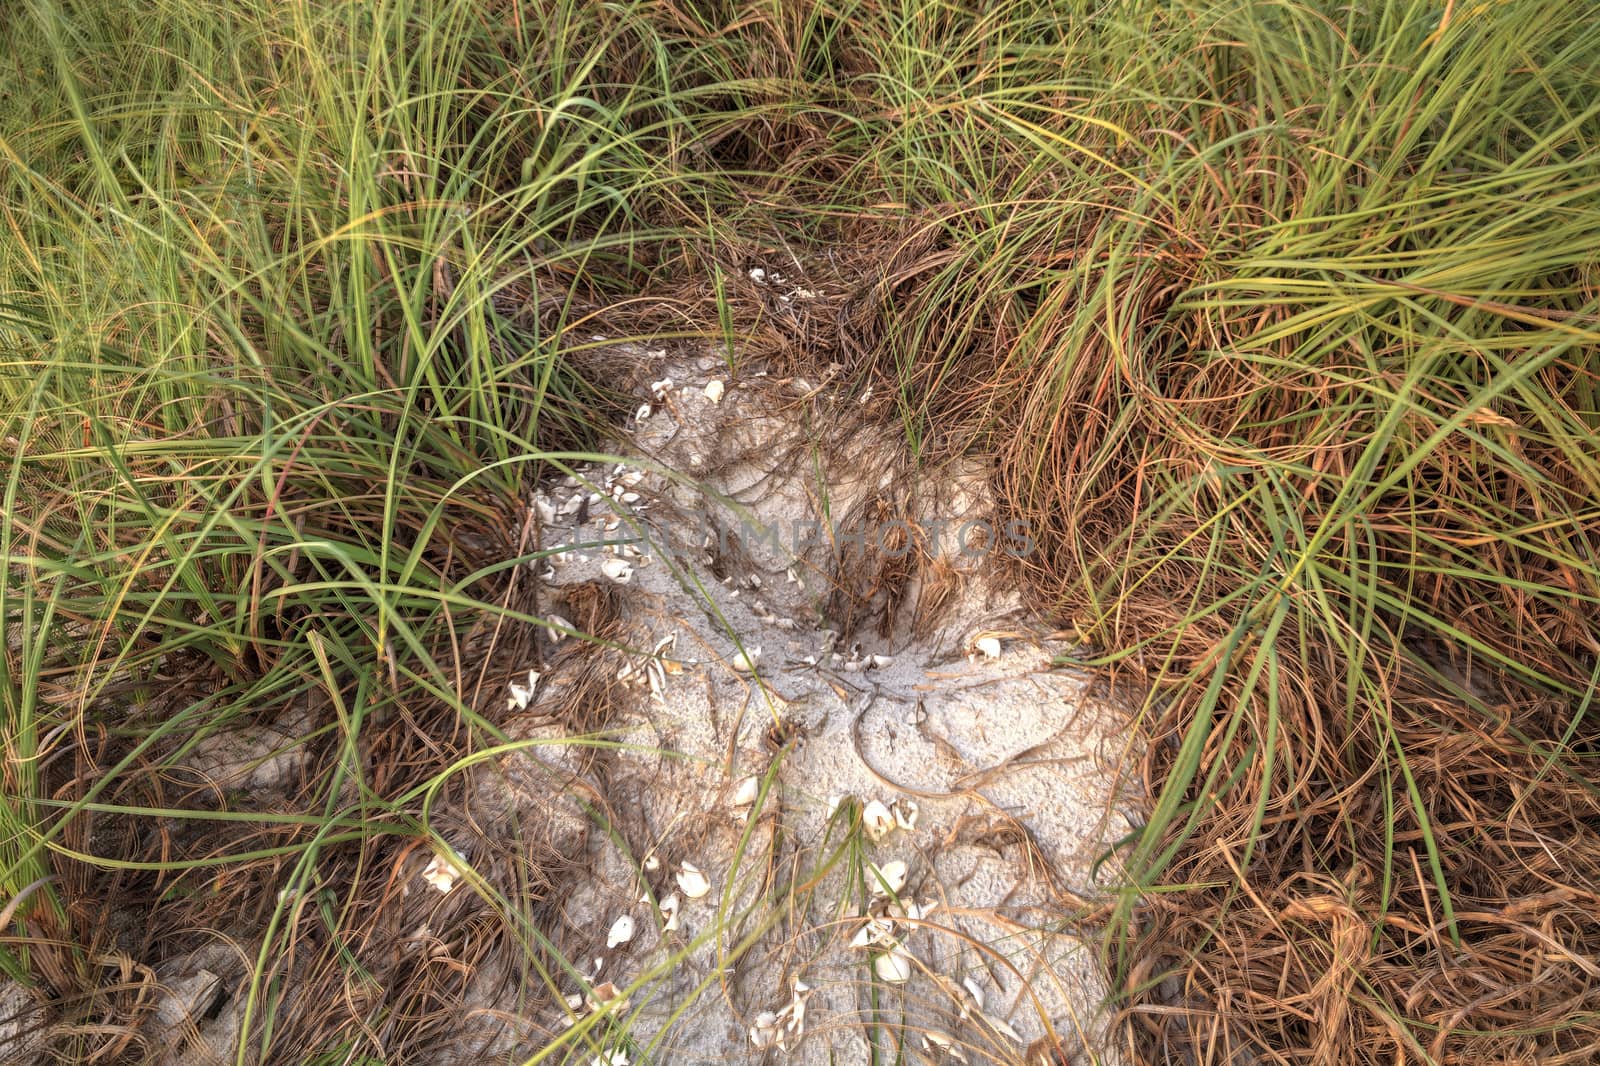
900	710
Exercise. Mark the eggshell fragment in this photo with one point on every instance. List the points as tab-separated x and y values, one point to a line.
876	821
670	905
889	878
893	966
521	695
747	792
621	931
441	873
692	881
905	813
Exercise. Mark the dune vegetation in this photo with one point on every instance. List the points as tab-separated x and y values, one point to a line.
1279	321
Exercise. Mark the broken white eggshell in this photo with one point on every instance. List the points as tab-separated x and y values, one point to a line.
618	570
659	389
621	931
876	821
442	872
905	813
909	910
1000	1026
988	647
606	997
715	390
889	878
669	907
764	1033
521	695
894	965
747	792
874	932
692	881
747	660
933	1040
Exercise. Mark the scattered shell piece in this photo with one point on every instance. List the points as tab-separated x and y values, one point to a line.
441	872
894	965
874	933
747	660
606	997
758	276
643	412
974	990
764	1033
880	661
876	821
521	695
656	677
1002	1028
670	904
907	910
833	805
889	878
546	509
693	882
659	389
933	1040
905	812
988	647
618	570
621	931
714	390
557	627
614	1057
747	792
652	863
794	1015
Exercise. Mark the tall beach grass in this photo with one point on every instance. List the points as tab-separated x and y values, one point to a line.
1279	321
